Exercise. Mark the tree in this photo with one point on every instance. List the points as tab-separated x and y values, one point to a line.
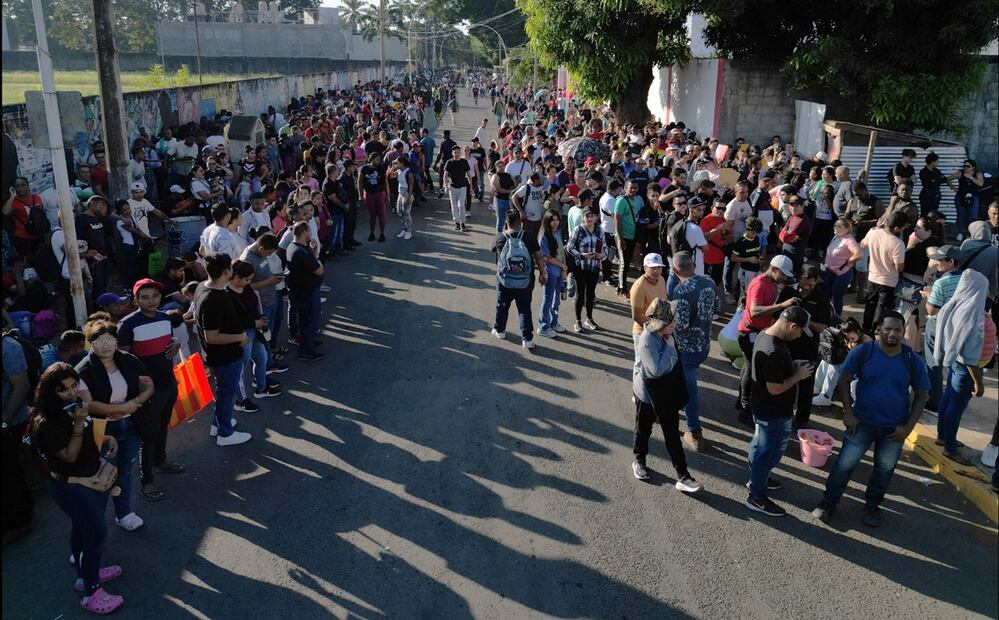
609	46
902	65
351	11
510	26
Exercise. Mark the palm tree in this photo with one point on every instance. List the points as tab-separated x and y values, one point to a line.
352	12
368	22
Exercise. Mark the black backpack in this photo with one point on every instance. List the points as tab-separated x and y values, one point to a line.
38	223
677	237
832	346
32	356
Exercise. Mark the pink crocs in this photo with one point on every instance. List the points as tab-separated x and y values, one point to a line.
105	575
100	602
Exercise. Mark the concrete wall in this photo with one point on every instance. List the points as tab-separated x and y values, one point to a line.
359	49
246	65
688	94
252	39
978	112
155	109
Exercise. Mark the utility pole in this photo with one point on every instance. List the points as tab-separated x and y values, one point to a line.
534	83
112	104
381	37
54	126
197	42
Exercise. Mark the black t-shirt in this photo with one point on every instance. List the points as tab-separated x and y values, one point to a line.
219	310
373	146
374	178
818	307
771	364
458	170
55	432
479	154
446	147
931	180
507	185
916	260
642	178
747	248
91	229
302	264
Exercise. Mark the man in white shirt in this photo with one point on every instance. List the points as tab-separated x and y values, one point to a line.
481	133
137	166
183	154
141	208
519	168
736	212
529	200
255	217
694	235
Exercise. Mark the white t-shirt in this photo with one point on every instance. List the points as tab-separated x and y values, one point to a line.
480	133
58	241
136	172
126	237
218	239
531	200
886	250
607	213
737	212
520	171
215	141
696	239
140	213
251	219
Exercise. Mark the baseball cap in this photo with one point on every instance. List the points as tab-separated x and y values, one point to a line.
946	251
784	264
653	260
29	273
590	160
585	194
137	186
144	282
176	189
799	316
348	162
109	299
822	156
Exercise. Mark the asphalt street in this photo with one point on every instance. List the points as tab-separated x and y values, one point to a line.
426	470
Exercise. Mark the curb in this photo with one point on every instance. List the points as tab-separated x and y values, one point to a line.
969	481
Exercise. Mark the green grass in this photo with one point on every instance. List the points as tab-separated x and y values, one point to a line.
16	82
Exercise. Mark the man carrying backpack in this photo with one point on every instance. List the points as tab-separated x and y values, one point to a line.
27	213
517	256
882	415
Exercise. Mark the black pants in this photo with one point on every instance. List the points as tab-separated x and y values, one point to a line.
18	503
153	451
822	234
746	377
606	265
804	406
586	292
645	417
880	298
928	201
627	250
349	226
716	271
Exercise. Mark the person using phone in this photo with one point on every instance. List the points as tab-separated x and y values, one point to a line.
63	434
813	298
775	379
256	349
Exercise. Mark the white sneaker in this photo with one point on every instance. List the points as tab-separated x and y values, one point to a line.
214	430
989	455
325	288
558	328
547	333
820	401
402	233
528	344
407	236
499	335
688	485
236	438
130	522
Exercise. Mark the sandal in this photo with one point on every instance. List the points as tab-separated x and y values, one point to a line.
105	575
152	494
170	467
958	458
100	602
941	442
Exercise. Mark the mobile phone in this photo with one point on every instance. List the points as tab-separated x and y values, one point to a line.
70	407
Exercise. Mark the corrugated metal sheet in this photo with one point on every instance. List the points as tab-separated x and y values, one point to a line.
951	160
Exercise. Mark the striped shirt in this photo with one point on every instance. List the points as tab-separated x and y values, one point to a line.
582	241
943	289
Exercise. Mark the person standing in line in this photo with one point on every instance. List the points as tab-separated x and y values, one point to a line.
429	146
221	330
761	306
587	248
816	302
256	351
502	185
404	203
305	276
837	273
696	300
458	180
148	334
775	379
930	181
554	256
647	288
517	256
659	393
626	210
886	261
882	414
371	187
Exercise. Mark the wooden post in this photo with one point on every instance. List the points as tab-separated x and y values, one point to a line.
112	104
866	172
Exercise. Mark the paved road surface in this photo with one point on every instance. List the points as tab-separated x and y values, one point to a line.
425	470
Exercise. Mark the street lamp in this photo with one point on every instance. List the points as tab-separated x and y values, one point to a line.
502	46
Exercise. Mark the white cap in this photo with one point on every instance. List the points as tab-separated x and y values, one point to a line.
784	264
653	260
29	274
822	156
138	186
176	189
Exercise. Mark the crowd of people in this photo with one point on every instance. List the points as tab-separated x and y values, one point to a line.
686	230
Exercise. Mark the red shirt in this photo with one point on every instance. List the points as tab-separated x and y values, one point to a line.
19	212
99	177
762	291
714	254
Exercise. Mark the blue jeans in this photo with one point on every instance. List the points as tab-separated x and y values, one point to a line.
966	214
955	400
935	373
129	265
308	319
336	232
765	451
886	453
129	443
502	206
227	379
255	350
272	312
86	511
837	285
691	362
550	301
522	297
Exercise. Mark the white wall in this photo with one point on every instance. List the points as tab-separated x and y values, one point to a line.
359	49
688	94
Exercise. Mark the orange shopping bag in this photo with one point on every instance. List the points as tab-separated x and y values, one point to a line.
193	391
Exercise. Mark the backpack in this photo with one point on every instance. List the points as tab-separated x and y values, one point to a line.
832	346
32	356
910	362
44	326
38	223
45	263
677	237
513	270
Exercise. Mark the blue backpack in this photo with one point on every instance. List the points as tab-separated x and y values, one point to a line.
513	270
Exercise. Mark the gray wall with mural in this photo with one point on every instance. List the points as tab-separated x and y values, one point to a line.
155	109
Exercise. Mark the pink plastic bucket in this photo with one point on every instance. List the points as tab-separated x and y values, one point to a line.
815	447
